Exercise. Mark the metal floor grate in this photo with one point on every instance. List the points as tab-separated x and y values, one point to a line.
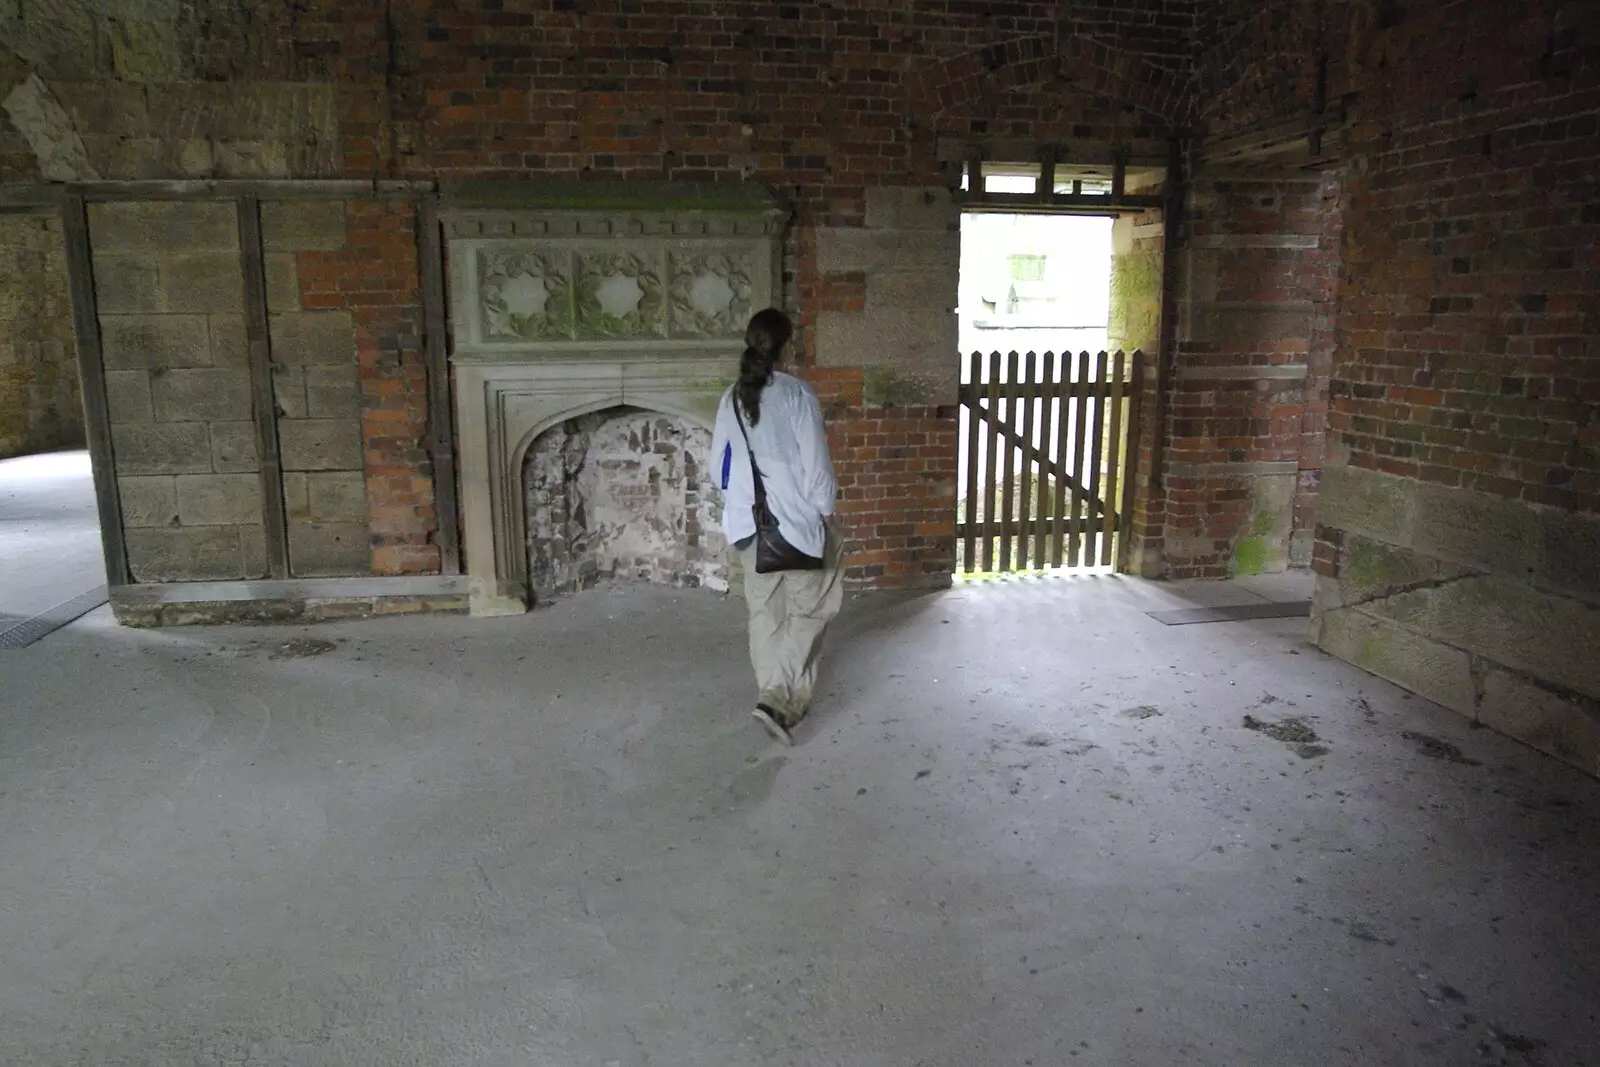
26	632
1292	609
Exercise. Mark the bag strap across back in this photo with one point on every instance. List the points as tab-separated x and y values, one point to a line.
755	470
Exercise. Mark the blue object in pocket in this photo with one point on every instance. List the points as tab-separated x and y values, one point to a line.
727	465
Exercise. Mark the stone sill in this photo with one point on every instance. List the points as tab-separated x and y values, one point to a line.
287	601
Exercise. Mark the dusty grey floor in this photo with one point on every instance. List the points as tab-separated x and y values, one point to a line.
49	534
1027	826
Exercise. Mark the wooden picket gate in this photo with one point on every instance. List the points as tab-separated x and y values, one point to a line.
1046	460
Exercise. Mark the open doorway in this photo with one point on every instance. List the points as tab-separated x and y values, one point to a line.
52	567
1046	408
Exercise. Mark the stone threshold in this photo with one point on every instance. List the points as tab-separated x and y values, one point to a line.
285	601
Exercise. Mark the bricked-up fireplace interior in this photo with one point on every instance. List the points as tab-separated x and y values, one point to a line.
621	494
593	330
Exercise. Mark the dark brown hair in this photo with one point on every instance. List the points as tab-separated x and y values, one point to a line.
764	338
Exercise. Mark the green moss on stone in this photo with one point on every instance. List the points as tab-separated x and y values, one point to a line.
1374	566
891	388
1250	555
1365	502
1373	654
1135	310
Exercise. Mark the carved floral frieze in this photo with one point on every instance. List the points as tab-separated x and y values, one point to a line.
711	293
525	293
620	295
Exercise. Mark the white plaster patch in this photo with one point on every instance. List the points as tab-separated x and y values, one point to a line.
621	495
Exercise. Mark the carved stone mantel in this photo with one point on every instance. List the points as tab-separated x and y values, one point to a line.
568	299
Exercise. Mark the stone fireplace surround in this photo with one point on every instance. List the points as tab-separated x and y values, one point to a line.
569	299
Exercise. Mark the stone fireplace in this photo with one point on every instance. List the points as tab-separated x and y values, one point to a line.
585	319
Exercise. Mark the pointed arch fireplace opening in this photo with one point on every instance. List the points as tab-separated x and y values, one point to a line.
622	494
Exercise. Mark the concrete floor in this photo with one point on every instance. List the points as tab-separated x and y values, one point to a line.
49	534
1027	826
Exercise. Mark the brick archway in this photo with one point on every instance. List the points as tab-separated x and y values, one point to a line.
961	80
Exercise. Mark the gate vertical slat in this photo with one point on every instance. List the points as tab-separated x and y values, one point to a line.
1009	475
1096	453
1025	486
1080	406
1063	395
1046	422
974	423
1031	441
1113	468
992	432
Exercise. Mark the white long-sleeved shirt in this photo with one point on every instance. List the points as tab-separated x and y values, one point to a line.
791	447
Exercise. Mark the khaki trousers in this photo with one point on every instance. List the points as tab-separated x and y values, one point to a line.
789	611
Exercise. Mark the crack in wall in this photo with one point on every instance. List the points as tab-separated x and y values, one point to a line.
1413	587
1494	687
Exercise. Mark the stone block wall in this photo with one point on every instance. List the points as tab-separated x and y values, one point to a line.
905	261
348	387
1485	604
169	284
318	397
885	362
142	90
41	407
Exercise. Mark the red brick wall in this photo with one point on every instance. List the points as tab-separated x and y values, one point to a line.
1466	344
820	101
376	279
1260	259
1267	60
1469	328
896	488
814	97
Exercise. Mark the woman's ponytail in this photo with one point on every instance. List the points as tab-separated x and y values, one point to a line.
764	339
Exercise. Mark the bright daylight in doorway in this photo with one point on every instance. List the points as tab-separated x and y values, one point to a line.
1043	413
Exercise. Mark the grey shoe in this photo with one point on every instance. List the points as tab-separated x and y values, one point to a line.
773	723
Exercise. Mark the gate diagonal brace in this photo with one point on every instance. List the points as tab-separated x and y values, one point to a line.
1046	464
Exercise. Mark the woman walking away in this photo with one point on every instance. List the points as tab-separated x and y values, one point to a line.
778	494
